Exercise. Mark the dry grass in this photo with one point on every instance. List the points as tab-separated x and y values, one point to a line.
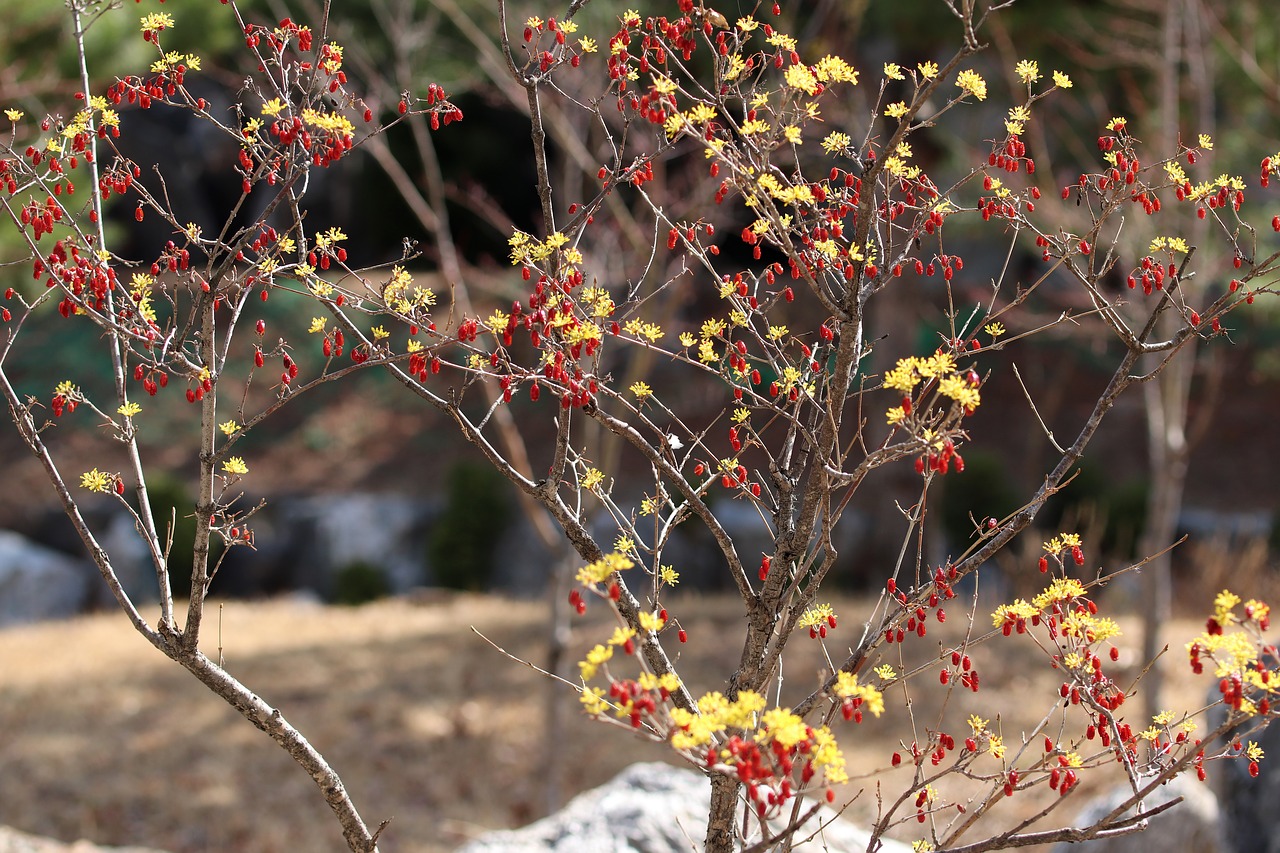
103	738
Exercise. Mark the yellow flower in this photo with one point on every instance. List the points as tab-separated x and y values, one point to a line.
791	133
317	325
14	115
379	333
593	661
273	107
995	329
835	69
783	726
816	615
129	409
96	481
235	465
971	83
592	479
229	427
836	142
157	21
847	687
669	575
593	701
641	390
650	331
1027	70
1061	80
897	110
621	635
601	569
777	333
928	70
893	71
885	672
800	77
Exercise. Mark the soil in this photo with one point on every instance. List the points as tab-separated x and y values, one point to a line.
430	726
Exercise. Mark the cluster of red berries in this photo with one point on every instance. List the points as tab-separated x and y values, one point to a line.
937	461
917	607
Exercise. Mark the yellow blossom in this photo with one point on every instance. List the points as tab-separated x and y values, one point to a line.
1205	141
595	658
587	44
229	427
885	672
893	71
592	479
641	390
96	481
273	107
928	70
641	329
836	142
995	329
847	687
593	701
129	409
1028	71
318	324
835	69
669	575
601	569
971	83
1062	81
896	110
235	465
157	21
800	77
14	115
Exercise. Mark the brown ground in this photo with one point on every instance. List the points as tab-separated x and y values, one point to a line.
102	738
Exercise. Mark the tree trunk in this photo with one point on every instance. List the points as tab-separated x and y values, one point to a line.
722	819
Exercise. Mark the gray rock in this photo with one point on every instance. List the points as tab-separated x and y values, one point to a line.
39	583
1194	825
648	808
330	532
1250	804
